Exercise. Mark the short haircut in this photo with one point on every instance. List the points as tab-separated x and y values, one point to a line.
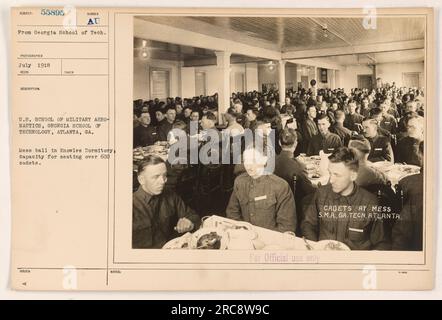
311	102
231	111
375	112
360	143
179	124
210	116
346	156
308	106
371	119
137	113
323	116
254	110
412	115
339	114
170	108
150	160
269	112
288	137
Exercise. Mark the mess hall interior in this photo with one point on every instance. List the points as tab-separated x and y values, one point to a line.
343	99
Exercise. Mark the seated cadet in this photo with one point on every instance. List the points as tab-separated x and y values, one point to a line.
353	120
380	145
365	108
324	140
301	110
409	109
407	232
251	115
367	175
339	129
286	166
186	113
388	122
260	197
289	168
331	110
167	124
309	129
144	133
180	112
343	211
160	116
157	216
406	149
288	108
376	113
233	127
210	139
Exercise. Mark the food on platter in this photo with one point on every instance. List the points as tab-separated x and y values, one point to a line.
209	238
182	242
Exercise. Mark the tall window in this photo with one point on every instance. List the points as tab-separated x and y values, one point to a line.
159	83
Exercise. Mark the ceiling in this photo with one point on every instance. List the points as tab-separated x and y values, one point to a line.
190	56
299	33
416	55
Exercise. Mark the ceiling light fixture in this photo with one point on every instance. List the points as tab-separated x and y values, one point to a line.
144	53
324	30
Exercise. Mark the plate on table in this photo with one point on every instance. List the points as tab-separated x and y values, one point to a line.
209	238
330	245
409	169
155	149
382	165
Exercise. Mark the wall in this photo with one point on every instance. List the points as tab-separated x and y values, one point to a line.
182	80
212	78
322	85
267	76
141	77
291	76
187	82
271	76
348	77
252	82
389	72
392	72
250	71
234	69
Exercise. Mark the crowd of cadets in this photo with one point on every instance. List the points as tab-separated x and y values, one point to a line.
390	118
383	124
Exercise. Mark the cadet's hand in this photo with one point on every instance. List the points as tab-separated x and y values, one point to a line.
184	225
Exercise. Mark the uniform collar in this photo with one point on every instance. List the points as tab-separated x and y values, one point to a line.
287	153
143	195
337	196
258	180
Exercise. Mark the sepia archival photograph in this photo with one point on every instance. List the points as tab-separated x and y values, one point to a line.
337	104
235	149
